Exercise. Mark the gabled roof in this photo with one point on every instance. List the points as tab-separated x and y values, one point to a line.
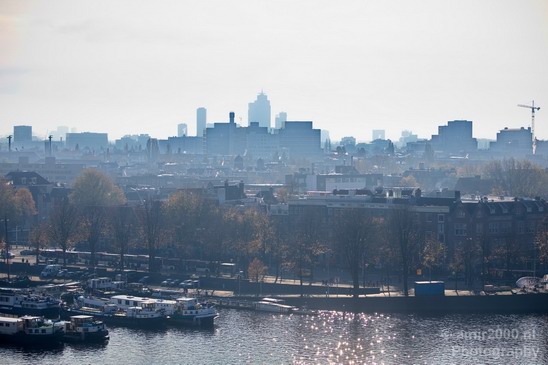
26	178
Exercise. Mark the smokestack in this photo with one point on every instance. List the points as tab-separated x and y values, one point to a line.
231	116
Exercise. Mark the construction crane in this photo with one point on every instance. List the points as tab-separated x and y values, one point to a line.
533	108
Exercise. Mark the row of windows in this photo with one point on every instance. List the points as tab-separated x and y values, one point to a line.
498	228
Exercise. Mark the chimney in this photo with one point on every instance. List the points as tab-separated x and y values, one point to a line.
231	116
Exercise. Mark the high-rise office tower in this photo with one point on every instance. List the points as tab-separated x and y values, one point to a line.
201	121
259	111
181	130
22	133
279	121
377	134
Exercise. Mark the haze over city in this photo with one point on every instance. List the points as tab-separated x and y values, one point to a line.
121	67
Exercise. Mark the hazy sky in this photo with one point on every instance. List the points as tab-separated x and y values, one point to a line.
350	66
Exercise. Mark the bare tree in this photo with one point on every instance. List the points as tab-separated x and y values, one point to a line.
63	225
354	232
307	241
150	217
122	221
38	239
93	191
404	235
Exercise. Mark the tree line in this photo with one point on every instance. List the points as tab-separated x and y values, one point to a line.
189	226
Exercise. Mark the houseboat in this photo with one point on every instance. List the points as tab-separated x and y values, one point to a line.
84	328
20	302
190	312
183	311
29	330
143	315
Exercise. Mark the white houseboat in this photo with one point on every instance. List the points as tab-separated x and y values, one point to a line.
20	302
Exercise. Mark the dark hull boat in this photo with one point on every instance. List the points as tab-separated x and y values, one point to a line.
29	330
85	329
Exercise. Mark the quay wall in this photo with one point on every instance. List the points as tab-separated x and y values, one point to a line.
518	303
246	287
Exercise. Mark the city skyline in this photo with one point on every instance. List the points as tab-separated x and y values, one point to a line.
129	68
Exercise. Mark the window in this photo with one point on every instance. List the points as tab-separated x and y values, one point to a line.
479	228
460	213
505	227
494	227
460	229
441	228
521	227
441	218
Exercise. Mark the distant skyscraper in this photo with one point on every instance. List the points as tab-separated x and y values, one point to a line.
201	121
181	130
259	111
455	137
377	134
22	133
60	133
279	121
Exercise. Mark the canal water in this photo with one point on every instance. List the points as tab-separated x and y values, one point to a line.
242	337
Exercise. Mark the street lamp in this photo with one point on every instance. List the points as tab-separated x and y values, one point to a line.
7	248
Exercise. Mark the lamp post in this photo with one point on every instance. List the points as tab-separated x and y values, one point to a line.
7	249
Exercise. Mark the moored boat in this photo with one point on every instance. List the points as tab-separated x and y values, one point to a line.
145	315
273	305
84	328
181	311
21	302
29	330
191	312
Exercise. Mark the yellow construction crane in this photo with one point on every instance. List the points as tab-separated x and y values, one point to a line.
533	108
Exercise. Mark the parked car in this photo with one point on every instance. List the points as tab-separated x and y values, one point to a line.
62	273
8	255
186	284
144	280
27	252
